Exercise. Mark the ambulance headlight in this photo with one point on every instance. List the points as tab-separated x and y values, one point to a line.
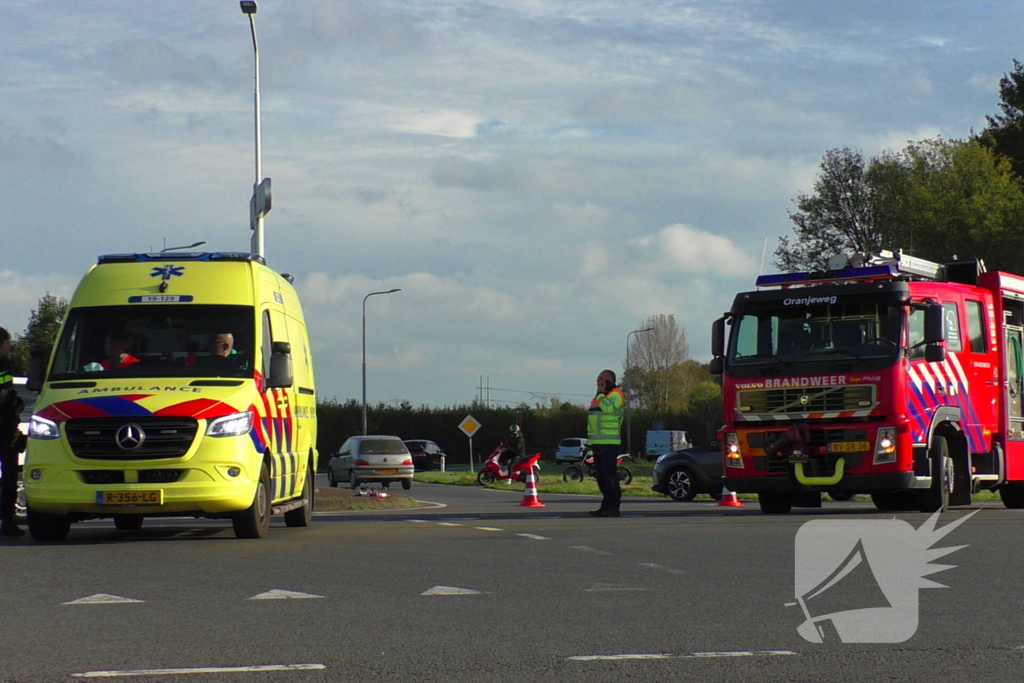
41	428
885	445
235	424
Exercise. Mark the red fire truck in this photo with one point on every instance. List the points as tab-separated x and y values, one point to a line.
886	375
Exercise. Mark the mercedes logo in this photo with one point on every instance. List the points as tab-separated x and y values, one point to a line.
130	437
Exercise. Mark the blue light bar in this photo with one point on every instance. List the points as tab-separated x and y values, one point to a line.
844	274
182	256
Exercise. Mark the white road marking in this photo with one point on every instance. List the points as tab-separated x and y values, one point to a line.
101	598
199	670
450	590
663	568
418	521
488	528
449	524
279	594
692	655
534	537
601	587
588	549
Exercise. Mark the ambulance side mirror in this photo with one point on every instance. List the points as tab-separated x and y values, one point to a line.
280	366
37	357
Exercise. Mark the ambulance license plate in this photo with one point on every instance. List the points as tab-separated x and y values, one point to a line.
848	446
129	497
387	471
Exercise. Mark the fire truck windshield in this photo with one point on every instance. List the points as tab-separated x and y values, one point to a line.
829	333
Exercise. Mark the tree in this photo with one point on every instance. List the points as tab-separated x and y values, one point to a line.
855	207
43	325
1005	132
654	370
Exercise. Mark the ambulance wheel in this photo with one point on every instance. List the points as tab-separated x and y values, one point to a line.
775	503
406	484
1012	495
303	516
44	527
936	497
128	522
254	521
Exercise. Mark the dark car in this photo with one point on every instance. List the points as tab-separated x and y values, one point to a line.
684	473
426	455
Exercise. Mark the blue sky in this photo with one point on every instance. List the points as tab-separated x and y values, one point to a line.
537	177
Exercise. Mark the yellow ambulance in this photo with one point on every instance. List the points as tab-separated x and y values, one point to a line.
181	384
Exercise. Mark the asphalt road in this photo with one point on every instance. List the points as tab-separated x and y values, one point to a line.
483	589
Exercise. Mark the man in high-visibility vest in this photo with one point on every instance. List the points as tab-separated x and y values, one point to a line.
10	409
604	432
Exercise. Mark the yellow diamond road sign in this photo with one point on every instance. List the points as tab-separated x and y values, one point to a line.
469	426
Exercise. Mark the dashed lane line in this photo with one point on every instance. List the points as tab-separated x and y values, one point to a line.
124	673
670	570
588	549
691	655
534	537
488	528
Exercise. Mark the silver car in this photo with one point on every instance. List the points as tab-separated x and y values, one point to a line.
364	459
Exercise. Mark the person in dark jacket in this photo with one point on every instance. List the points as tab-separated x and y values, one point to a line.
515	452
10	413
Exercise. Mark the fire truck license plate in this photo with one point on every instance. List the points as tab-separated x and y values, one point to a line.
129	497
848	446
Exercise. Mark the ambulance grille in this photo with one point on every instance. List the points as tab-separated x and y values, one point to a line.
162	437
807	399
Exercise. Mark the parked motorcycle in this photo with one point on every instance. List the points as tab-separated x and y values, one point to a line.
586	469
492	471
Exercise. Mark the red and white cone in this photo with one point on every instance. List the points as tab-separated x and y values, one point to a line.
530	499
729	499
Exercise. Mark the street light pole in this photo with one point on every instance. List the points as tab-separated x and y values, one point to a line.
390	291
256	212
629	430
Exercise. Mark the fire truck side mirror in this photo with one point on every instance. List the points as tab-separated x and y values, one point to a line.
934	324
933	353
715	367
718	338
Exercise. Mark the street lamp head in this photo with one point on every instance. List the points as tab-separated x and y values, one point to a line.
647	329
392	291
248	6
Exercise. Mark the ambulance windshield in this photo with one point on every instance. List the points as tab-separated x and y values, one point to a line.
156	341
832	333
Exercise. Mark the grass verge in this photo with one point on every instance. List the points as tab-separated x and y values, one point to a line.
333	500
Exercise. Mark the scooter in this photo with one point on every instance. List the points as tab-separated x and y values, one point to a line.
492	471
586	469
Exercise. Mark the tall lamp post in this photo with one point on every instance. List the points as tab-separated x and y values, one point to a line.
260	203
390	291
629	430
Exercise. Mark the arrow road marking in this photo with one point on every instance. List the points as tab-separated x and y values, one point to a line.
450	590
101	598
278	594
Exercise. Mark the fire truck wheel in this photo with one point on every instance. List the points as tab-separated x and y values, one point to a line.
840	496
937	496
775	503
1012	495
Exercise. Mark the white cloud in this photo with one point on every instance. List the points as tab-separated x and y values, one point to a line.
694	251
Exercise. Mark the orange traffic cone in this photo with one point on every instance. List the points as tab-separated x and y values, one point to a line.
729	499
530	499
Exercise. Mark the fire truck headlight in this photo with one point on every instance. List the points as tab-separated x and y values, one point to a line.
885	445
733	457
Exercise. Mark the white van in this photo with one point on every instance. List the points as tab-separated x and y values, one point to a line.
662	441
570	450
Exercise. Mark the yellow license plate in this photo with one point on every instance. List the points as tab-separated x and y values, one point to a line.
129	497
387	471
848	446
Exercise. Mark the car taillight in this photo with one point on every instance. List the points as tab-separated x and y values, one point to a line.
407	462
360	461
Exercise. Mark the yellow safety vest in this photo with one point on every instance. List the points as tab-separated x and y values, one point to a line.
604	421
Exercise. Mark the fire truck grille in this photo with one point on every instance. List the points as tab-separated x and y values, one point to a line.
131	438
806	400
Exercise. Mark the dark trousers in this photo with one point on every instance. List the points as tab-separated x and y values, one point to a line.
605	461
8	482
